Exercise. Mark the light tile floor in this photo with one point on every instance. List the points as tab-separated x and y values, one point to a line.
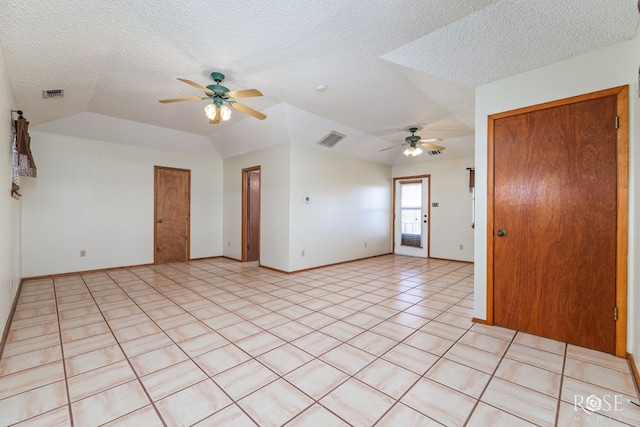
386	341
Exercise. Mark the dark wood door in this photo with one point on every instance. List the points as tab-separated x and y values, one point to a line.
251	214
172	200
554	222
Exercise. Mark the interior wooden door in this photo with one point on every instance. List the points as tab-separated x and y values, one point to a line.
251	214
555	231
172	214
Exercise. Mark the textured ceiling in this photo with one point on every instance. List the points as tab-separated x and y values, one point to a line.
387	65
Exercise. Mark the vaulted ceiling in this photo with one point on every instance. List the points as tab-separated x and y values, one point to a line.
386	66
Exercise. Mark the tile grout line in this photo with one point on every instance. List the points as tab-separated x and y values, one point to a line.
170	338
318	312
245	286
314	401
181	349
349	376
354	375
475	406
559	397
440	357
123	352
278	376
590	363
64	365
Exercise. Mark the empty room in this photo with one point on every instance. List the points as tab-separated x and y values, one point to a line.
400	213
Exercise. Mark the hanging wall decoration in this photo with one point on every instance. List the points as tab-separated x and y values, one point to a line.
22	159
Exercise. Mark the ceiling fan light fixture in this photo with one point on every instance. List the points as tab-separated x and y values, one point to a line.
412	151
225	113
210	111
222	98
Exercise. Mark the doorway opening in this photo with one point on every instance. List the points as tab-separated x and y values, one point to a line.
251	214
411	216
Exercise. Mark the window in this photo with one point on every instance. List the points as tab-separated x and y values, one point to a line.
411	211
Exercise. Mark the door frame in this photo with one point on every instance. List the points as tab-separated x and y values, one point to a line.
393	216
622	207
155	211
245	205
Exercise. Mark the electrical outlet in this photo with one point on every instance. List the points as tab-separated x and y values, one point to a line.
461	246
83	253
365	244
302	254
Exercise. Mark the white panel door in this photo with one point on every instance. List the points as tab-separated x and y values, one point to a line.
411	217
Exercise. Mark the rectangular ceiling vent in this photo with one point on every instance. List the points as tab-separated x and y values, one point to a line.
331	139
53	93
434	152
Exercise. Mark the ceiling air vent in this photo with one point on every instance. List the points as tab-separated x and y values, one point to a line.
434	152
53	93
331	139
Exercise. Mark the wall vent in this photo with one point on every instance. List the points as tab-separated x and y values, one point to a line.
434	152
53	93
331	139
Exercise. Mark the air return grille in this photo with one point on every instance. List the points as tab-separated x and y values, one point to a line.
53	93
331	139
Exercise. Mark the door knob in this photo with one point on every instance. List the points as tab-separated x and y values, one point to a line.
160	221
501	233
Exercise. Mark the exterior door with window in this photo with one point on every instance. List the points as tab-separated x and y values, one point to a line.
411	218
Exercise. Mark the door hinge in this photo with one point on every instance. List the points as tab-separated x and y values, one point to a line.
617	122
615	313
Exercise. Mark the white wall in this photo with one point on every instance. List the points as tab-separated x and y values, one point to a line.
451	220
350	206
99	197
274	205
10	208
610	67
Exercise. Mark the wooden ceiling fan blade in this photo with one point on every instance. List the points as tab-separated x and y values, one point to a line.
429	143
189	98
248	110
432	146
244	93
393	146
196	85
